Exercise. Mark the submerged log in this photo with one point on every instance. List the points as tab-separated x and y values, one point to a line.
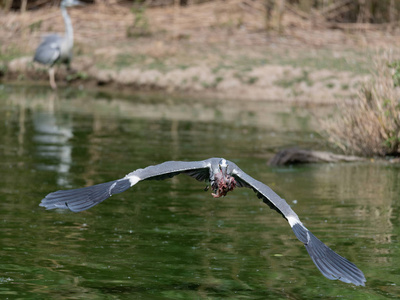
296	156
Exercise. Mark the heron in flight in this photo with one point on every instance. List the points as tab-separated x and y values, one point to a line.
55	48
222	176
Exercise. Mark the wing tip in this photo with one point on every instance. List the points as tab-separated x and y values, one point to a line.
84	198
332	265
329	263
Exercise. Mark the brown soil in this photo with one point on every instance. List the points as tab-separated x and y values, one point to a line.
218	49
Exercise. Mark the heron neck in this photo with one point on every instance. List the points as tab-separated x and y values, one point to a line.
69	32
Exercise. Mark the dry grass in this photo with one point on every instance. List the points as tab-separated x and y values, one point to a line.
218	47
370	125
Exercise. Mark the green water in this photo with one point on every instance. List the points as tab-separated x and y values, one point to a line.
170	239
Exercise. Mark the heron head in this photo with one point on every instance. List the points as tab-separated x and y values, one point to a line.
223	166
68	3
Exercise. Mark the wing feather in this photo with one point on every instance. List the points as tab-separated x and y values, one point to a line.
332	265
199	170
87	197
263	191
49	51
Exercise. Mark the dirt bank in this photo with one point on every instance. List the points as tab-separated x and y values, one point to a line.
213	49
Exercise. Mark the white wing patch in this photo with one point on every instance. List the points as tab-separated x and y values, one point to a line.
293	221
111	187
133	179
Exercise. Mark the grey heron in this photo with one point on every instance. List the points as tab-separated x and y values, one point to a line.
55	48
222	176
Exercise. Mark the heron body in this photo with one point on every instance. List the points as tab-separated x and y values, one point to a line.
55	48
222	176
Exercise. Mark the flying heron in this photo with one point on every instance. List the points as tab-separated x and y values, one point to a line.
223	176
55	48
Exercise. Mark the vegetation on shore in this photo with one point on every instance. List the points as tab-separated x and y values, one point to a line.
370	124
303	51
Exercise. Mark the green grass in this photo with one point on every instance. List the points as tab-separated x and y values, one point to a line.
345	87
289	82
245	63
35	26
11	52
77	76
222	66
350	61
213	84
358	62
125	60
245	78
330	85
141	61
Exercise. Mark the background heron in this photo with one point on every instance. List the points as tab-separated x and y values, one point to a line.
223	177
55	48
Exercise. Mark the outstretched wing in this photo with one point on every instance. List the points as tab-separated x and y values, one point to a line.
332	265
84	198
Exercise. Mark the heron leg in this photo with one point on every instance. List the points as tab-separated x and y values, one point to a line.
52	78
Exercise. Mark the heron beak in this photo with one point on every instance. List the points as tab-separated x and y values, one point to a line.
70	3
77	2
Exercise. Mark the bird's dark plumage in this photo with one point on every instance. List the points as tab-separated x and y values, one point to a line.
223	176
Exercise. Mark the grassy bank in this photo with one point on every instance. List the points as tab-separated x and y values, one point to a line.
222	51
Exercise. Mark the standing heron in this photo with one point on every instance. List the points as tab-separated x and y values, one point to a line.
55	48
223	176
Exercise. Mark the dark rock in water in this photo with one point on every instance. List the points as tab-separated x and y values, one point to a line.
301	156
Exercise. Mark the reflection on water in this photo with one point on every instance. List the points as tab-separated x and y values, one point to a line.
52	139
170	239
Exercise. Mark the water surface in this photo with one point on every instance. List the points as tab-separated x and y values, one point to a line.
170	239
